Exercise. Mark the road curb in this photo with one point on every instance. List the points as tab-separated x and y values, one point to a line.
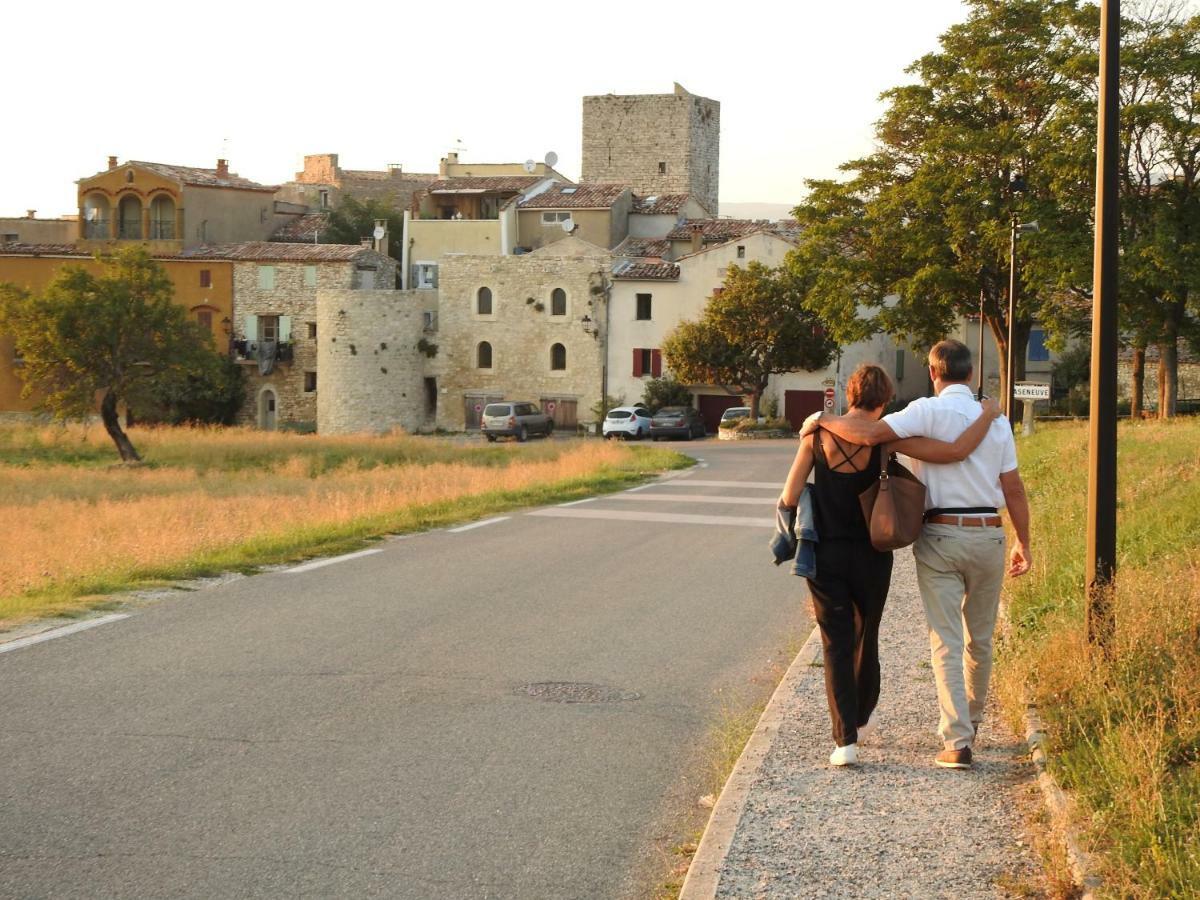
1083	870
704	873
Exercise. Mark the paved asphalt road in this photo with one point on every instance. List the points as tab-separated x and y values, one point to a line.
360	729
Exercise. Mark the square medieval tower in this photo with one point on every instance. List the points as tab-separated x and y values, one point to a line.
658	143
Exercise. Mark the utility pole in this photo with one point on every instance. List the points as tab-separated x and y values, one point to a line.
1101	568
979	361
1009	367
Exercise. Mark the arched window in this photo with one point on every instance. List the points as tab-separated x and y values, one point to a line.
483	355
483	302
558	357
558	302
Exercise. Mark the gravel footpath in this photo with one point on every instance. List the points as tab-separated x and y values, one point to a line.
895	826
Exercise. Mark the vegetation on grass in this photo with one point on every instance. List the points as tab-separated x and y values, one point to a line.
1124	729
117	338
214	500
755	327
666	391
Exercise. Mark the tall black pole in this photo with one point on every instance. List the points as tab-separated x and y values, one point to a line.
1102	447
979	361
1012	322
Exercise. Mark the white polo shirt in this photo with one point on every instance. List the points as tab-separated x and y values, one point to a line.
976	480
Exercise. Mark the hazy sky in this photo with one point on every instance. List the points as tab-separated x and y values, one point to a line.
265	83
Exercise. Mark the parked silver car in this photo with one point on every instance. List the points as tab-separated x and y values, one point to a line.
677	421
514	418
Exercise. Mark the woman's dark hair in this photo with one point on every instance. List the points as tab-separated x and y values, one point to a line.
950	360
869	388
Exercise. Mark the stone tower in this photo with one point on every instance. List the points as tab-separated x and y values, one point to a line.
659	143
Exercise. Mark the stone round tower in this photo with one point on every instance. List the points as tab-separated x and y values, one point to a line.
369	369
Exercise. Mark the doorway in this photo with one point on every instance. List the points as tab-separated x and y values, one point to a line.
267	412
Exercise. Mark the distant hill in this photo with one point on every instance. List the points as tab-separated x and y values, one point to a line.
772	211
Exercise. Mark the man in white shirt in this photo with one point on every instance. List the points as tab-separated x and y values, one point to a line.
960	553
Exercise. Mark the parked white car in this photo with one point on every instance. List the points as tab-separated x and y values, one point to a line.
629	422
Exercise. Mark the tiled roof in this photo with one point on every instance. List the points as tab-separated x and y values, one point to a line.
274	251
201	177
301	230
576	196
481	183
627	270
643	248
661	205
718	230
23	249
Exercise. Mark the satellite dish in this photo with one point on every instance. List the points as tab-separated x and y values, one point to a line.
530	165
552	159
379	233
568	225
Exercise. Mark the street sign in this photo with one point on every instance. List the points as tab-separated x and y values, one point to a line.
1031	390
478	407
550	406
829	399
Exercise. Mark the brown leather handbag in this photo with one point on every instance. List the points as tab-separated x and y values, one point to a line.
894	506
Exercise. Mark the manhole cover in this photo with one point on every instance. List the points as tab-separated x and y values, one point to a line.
576	692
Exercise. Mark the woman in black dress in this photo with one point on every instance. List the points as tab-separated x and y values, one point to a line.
852	577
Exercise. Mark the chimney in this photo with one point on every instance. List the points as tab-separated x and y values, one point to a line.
31	213
112	162
697	238
381	244
223	168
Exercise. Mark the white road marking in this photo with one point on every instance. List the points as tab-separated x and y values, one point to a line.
61	632
577	502
636	489
766	485
321	563
463	528
666	518
696	498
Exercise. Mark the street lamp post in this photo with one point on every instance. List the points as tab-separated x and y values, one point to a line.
1018	229
1101	565
979	361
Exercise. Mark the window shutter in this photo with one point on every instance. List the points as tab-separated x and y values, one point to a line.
637	362
251	328
656	363
285	329
435	275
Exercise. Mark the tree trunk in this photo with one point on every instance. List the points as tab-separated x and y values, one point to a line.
755	396
1137	383
112	424
1168	360
1021	336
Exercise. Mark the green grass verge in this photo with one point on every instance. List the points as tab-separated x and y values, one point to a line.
87	594
1124	726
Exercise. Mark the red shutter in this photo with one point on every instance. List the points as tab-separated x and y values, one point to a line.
637	362
656	363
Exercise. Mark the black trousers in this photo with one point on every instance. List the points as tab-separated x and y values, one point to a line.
848	596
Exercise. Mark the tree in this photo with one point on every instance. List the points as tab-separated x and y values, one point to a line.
354	219
756	326
666	391
114	337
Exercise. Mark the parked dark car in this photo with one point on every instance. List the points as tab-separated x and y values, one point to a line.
517	419
677	421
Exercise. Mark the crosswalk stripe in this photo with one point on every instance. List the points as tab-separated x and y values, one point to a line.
693	498
693	482
620	515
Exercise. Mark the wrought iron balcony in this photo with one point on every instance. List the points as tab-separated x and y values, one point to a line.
130	231
97	229
162	230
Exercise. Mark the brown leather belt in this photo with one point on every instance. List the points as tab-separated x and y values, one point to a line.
967	521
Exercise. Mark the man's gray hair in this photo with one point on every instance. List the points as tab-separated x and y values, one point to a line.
950	360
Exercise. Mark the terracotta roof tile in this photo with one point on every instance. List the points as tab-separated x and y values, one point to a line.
301	230
481	183
201	177
275	251
23	249
644	248
718	230
627	270
576	196
661	205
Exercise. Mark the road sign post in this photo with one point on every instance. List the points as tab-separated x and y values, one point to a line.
829	396
1029	391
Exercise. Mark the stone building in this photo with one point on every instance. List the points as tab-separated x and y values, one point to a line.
323	182
596	213
274	333
527	327
29	229
656	143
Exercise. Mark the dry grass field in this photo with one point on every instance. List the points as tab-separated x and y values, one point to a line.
77	525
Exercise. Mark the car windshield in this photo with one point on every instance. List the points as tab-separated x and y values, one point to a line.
497	409
619	414
673	411
736	412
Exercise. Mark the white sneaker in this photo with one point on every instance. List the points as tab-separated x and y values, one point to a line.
844	756
865	731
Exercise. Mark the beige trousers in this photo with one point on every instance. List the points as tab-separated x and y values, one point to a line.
960	571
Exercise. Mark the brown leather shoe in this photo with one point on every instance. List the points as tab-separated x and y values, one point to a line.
954	759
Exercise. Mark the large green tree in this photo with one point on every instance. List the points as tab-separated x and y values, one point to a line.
116	337
754	327
354	219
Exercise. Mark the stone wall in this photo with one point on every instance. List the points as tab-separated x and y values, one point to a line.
625	138
371	370
521	335
1189	381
